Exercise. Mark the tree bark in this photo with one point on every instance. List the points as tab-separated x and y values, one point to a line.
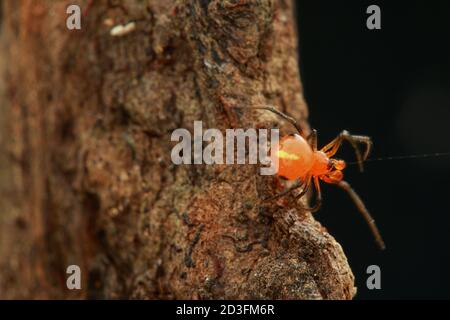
86	176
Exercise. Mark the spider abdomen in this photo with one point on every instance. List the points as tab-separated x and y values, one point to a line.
295	157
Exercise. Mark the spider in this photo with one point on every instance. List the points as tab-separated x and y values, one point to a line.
299	160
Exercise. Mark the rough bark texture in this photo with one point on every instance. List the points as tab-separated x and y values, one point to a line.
87	178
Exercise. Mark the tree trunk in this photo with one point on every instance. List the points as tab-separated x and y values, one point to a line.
86	175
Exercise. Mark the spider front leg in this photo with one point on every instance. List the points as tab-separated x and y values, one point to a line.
331	148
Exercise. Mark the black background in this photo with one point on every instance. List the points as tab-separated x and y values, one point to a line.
392	84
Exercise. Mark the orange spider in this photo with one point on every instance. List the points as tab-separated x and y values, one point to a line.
299	159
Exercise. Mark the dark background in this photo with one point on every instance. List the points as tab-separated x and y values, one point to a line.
392	84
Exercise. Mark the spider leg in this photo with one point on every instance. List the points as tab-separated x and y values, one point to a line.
364	212
306	186
295	186
318	203
280	114
331	148
312	139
